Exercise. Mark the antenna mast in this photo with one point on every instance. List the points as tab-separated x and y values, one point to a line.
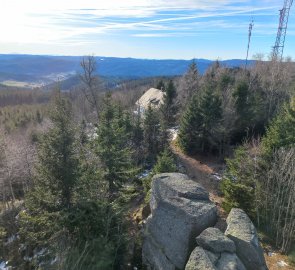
249	40
278	49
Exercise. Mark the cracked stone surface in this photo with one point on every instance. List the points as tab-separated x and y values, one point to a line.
181	210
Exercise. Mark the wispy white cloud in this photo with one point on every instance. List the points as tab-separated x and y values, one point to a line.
55	20
149	35
87	21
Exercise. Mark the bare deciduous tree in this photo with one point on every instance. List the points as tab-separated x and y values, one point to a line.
189	83
90	81
278	191
16	167
275	78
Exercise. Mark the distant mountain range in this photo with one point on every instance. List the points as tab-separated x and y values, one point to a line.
36	69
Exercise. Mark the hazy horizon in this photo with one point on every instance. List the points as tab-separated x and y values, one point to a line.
127	57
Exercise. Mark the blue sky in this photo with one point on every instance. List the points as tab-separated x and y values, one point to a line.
159	29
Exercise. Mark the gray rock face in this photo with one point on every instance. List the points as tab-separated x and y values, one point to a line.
239	250
154	256
199	260
242	231
214	257
181	213
214	240
229	261
202	259
220	251
181	210
168	185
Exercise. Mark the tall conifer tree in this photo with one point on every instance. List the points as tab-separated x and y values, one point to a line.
200	123
152	134
190	82
56	178
168	108
113	145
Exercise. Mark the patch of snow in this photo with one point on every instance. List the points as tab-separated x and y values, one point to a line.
3	265
91	131
40	253
11	239
28	259
144	174
282	264
92	136
271	253
53	261
22	247
216	176
173	133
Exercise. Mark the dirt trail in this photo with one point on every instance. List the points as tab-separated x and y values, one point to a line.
201	169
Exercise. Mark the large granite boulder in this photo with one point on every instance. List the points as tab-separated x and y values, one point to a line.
168	185
202	259
238	249
181	210
199	260
154	256
229	261
214	240
216	251
241	230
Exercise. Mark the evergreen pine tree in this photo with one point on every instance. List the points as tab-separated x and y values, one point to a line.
137	137
211	113
244	106
191	118
161	85
168	108
113	145
67	214
55	181
58	170
190	82
238	184
281	132
165	163
200	123
152	134
251	110
211	75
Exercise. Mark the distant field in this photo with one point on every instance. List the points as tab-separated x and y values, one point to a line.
20	84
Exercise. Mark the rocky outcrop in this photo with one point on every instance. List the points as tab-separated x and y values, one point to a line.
179	233
214	240
220	251
180	211
199	260
229	261
241	230
238	249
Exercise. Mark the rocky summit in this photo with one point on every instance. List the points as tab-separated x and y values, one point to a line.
179	233
180	211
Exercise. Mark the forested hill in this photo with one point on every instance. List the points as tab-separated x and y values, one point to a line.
32	67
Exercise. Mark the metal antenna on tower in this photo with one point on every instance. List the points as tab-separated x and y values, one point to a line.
249	40
278	49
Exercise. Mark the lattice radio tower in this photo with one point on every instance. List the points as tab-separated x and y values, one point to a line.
249	40
278	49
